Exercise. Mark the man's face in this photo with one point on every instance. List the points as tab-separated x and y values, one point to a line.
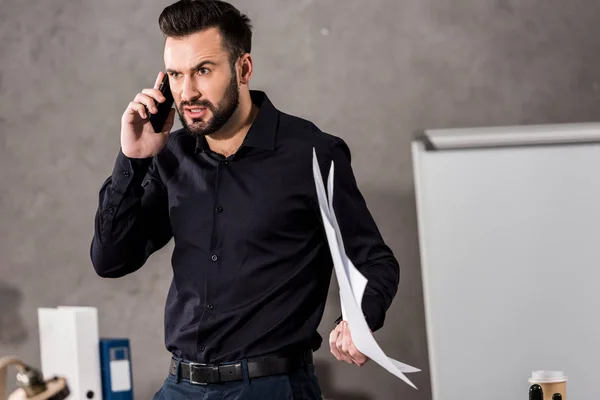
204	86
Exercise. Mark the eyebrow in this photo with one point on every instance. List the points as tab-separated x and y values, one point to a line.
195	68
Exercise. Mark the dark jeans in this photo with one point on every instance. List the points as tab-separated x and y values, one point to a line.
299	385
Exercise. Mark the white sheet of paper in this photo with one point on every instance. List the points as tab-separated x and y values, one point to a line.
352	283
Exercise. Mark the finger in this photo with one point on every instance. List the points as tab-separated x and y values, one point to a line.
359	358
169	122
333	336
155	94
347	343
347	339
138	108
147	101
340	346
159	79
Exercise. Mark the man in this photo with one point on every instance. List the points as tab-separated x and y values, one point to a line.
235	189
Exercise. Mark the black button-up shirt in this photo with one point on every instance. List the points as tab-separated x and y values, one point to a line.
251	263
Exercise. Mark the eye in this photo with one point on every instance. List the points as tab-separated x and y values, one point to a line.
174	75
203	71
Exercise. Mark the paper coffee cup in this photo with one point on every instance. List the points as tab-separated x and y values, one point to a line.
551	382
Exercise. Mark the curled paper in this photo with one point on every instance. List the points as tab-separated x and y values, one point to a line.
352	283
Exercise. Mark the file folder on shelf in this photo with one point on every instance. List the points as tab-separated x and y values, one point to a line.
115	360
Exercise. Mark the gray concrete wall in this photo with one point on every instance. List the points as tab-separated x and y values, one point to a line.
374	73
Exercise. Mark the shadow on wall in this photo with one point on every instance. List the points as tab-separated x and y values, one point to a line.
323	371
12	327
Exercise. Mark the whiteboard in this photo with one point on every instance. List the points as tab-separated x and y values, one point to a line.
509	235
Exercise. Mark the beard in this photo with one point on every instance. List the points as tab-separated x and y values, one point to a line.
221	113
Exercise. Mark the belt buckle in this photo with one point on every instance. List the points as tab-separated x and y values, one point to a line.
192	369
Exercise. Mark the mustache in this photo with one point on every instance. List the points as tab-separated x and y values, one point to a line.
197	103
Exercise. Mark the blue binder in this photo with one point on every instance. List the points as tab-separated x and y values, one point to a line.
115	361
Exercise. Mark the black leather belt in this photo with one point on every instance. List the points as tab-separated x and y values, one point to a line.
203	374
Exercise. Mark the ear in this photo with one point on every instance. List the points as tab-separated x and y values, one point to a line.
246	68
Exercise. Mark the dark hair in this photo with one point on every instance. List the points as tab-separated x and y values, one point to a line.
186	17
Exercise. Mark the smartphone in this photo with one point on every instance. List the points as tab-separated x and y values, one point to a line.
158	120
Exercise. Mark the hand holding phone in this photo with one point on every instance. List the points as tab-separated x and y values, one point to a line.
147	121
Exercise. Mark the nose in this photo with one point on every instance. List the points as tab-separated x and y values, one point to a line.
189	92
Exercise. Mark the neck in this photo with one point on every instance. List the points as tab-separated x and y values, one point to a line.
229	138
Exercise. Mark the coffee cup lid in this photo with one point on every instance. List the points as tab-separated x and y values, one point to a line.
547	377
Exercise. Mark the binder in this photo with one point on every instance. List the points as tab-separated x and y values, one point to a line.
115	361
69	348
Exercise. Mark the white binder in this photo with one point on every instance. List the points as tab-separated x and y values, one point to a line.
69	347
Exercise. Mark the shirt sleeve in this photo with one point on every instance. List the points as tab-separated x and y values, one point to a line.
363	242
132	220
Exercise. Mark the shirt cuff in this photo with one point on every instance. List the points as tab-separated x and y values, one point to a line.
337	321
373	311
129	172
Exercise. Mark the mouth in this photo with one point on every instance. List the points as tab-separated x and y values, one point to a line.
195	112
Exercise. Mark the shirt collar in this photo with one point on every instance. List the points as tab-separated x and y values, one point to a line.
263	132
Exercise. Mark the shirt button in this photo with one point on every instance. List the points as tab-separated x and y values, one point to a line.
126	174
210	307
219	209
201	347
111	210
224	162
214	257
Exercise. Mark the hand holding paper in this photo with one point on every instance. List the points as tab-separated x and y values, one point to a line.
352	283
342	346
